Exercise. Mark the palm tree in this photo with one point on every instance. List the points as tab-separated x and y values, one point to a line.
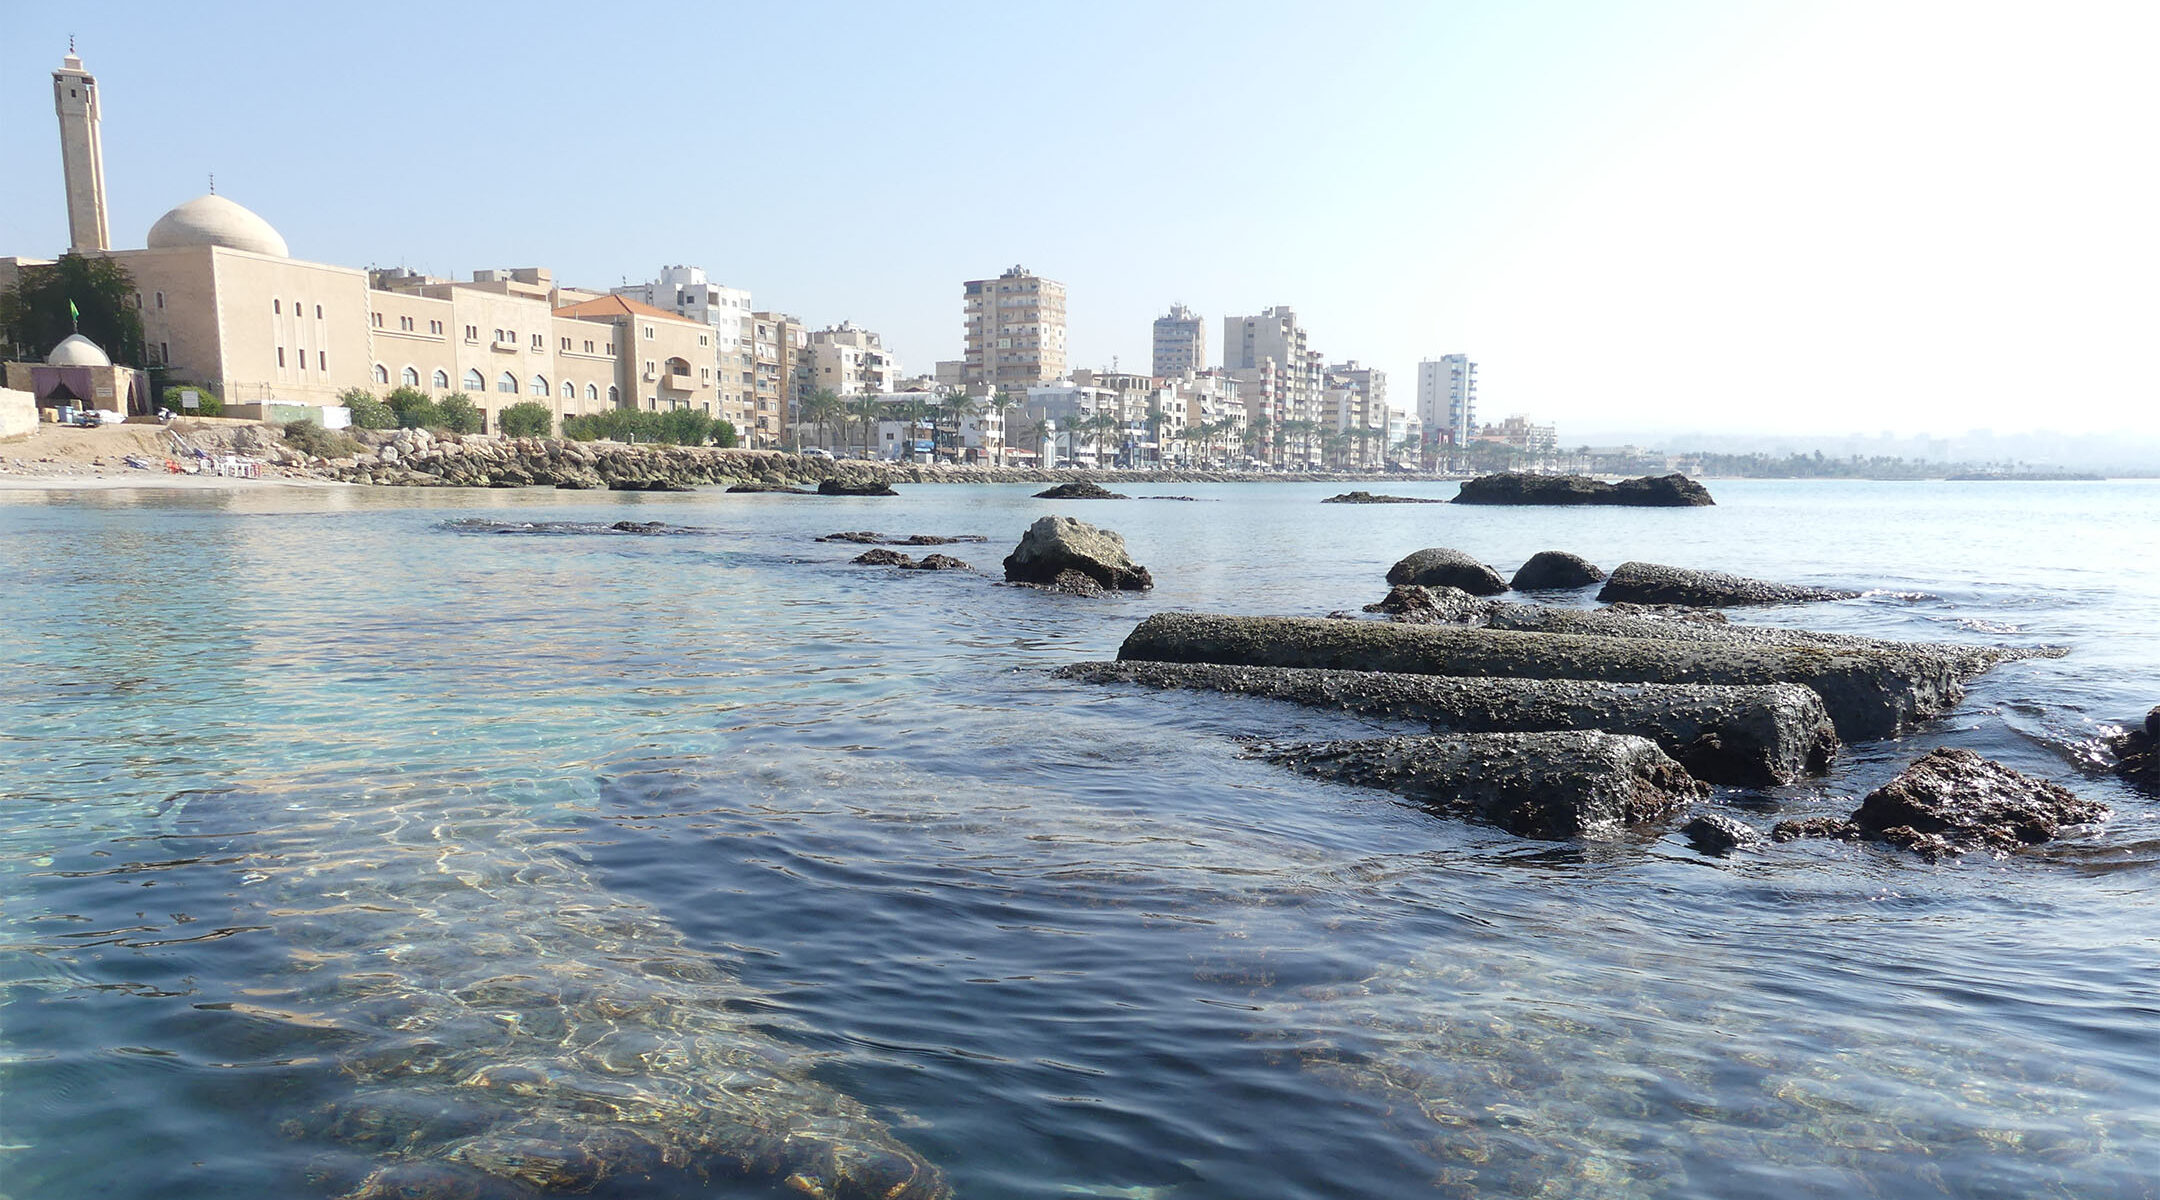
959	407
868	410
1256	434
1034	430
1002	403
821	409
917	414
1156	419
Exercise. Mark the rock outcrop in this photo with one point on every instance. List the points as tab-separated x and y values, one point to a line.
1954	801
1371	498
1053	546
882	557
1866	695
1580	783
1079	491
1716	833
1650	491
1554	570
937	562
1414	604
1439	566
1655	583
859	485
1752	736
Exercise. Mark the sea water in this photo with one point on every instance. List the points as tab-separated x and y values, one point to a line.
1064	940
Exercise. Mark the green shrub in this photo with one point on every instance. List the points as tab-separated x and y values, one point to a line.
526	418
367	411
207	403
676	427
415	409
309	438
459	415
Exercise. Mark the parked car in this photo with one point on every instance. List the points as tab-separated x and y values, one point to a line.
817	452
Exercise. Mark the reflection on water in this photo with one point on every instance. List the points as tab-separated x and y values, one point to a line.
341	845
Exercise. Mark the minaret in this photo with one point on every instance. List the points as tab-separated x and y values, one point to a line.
82	156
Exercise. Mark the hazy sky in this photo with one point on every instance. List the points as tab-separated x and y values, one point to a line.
1644	216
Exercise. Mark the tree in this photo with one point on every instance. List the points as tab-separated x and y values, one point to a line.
459	414
526	418
957	408
868	410
917	413
415	409
1256	434
207	403
34	314
823	408
1107	425
1003	403
1032	431
367	412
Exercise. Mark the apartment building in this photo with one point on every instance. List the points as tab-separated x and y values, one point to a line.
1447	399
1180	343
1015	328
850	361
688	291
778	374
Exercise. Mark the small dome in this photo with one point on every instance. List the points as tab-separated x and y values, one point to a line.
215	221
77	351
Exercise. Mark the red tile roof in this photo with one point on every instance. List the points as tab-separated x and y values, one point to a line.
617	306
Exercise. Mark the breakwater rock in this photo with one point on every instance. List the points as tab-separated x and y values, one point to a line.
1082	490
418	458
1868	695
1749	736
1578	783
1655	583
1371	498
1439	566
1650	491
1555	570
1953	801
1055	547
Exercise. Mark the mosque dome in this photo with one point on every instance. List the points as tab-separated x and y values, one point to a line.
215	221
77	351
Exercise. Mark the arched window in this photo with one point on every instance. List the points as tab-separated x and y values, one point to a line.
614	396
592	391
569	390
506	382
442	381
410	378
473	382
539	386
382	373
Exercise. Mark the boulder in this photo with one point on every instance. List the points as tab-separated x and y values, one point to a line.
1578	783
1415	605
1516	487
1716	833
1553	570
1868	695
1655	583
937	562
861	537
882	557
1079	491
1953	801
855	486
2137	753
768	487
1753	736
1055	545
1073	583
1371	498
1439	566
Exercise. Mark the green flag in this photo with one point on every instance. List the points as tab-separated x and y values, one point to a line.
74	313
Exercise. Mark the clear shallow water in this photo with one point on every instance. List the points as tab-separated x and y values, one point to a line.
1064	941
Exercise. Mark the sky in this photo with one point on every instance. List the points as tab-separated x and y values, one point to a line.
1706	215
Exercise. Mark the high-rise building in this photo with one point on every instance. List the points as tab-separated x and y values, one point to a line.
778	348
1180	343
1279	373
1447	398
1015	331
82	155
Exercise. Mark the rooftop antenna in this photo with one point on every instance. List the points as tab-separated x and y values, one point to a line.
213	183
71	43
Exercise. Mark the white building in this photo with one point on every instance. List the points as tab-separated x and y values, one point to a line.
1447	399
848	361
686	291
1180	343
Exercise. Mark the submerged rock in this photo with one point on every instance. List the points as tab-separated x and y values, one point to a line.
1650	491
1868	695
1079	491
931	539
882	557
859	536
639	526
1716	833
2137	753
1053	546
1579	783
1953	801
937	562
768	487
1552	570
1439	566
855	486
1748	736
1655	583
1371	498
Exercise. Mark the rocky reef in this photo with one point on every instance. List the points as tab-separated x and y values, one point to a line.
1650	491
1655	583
1952	802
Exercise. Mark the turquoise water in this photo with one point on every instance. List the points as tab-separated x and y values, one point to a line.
1059	940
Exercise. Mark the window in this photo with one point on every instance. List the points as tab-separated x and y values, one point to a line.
375	319
498	335
614	395
434	327
161	299
566	343
610	348
322	360
409	377
281	356
588	346
318	312
569	390
473	382
539	386
472	333
648	333
539	342
592	391
442	381
277	308
506	383
704	339
405	323
382	373
164	352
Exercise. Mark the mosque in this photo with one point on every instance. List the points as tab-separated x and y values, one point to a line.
225	305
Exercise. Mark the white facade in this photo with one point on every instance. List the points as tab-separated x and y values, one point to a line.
1447	398
82	155
687	291
848	361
